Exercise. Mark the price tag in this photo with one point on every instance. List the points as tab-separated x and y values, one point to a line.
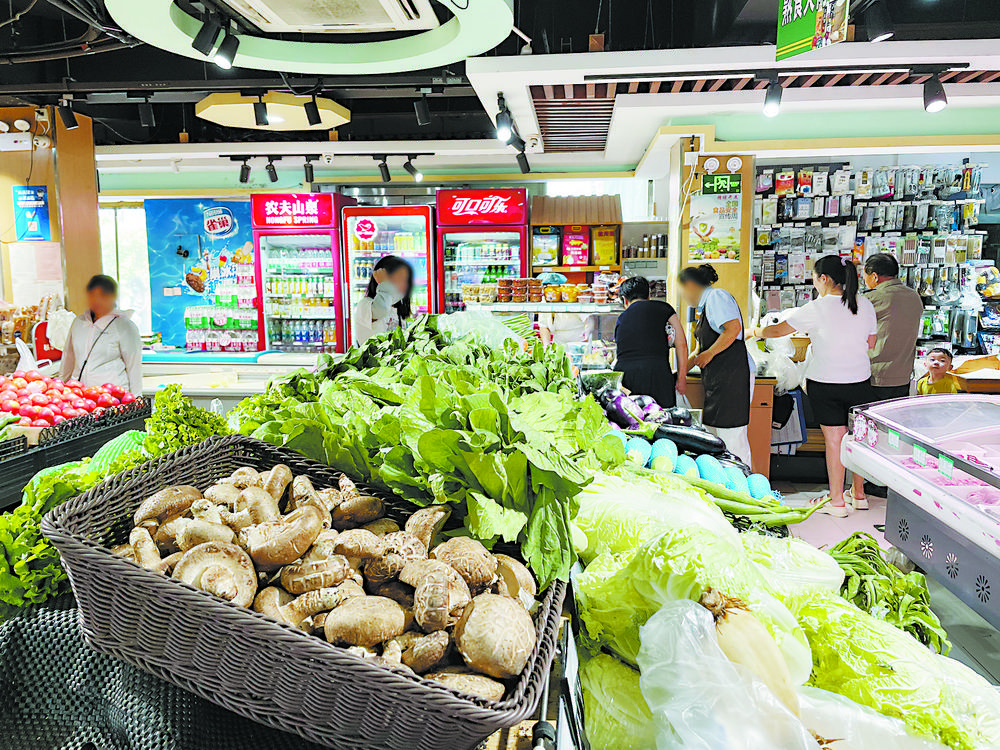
920	455
945	466
893	439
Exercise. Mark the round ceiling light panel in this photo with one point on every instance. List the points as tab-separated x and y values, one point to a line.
284	112
477	26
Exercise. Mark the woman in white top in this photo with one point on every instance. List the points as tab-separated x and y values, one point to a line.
386	303
103	345
841	327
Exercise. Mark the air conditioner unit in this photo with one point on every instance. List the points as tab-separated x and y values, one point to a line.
336	16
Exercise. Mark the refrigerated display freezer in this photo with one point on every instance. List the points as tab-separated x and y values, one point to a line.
940	458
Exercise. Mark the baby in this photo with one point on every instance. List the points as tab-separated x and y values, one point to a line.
937	379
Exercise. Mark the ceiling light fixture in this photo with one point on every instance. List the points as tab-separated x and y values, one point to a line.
23	125
260	113
272	173
878	23
4	127
522	162
312	112
383	168
935	99
415	173
422	111
517	142
307	169
146	116
207	36
67	115
227	51
505	123
772	99
245	172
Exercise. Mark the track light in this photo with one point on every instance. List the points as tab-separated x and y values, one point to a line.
245	172
272	173
307	169
934	97
415	173
505	123
260	112
312	112
67	115
517	142
204	41
772	99
422	111
383	168
878	23
227	51
522	162
146	117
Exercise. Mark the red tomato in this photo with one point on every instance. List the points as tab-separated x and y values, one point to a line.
33	375
7	393
127	398
40	399
58	418
19	382
41	423
24	422
105	399
91	392
117	391
89	404
80	403
46	413
47	380
74	384
115	401
29	410
98	412
70	413
35	386
11	405
108	387
18	374
23	393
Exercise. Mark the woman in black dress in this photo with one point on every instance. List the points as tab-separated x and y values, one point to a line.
644	334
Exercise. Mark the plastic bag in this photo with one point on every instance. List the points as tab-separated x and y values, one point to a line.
486	327
702	701
58	328
27	360
778	366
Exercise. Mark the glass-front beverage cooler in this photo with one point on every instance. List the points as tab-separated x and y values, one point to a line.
370	233
296	237
482	236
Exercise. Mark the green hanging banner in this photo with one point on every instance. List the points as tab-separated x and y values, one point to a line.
805	25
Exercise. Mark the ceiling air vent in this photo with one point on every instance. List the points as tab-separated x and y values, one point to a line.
336	16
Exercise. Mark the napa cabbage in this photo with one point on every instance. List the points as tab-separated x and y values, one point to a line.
616	714
791	563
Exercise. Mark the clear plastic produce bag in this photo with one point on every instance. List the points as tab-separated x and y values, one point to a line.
487	328
779	366
58	328
702	701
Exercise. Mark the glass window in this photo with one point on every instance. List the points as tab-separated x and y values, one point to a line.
125	256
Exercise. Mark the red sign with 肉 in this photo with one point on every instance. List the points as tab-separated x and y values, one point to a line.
291	209
499	206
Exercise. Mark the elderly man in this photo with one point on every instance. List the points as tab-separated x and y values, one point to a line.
898	310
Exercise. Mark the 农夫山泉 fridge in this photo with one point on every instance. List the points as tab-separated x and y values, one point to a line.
372	232
482	236
297	239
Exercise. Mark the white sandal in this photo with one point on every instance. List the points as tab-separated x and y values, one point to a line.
837	511
857	503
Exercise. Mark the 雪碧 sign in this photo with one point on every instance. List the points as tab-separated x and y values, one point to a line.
805	25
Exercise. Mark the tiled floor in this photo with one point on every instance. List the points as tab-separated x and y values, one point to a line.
822	530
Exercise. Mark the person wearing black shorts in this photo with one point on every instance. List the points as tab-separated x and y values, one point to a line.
841	327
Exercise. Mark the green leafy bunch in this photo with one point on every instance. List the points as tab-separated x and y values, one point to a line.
176	422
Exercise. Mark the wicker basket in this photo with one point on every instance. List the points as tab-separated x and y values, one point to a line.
248	663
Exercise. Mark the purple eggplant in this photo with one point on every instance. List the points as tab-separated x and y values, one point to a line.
691	439
644	401
623	411
680	416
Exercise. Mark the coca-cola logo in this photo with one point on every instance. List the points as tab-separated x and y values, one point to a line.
491	204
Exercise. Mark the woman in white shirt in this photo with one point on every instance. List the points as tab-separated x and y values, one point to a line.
386	303
841	327
103	345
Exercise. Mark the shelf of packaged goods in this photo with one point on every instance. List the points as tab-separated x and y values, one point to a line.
576	269
552	307
418	254
309	316
297	295
303	272
484	262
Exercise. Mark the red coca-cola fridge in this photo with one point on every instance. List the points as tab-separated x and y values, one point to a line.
482	236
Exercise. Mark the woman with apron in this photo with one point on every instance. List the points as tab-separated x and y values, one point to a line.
727	369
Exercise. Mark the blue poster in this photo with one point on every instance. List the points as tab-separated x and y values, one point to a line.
31	213
195	246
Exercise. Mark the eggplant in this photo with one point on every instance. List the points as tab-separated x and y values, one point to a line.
644	401
691	439
623	411
680	415
661	417
730	459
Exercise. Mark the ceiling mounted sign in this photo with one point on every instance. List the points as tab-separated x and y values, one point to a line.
805	25
476	26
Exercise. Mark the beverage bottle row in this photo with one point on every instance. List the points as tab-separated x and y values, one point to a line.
307	307
304	335
391	243
482	250
310	286
477	275
308	260
215	316
235	295
207	340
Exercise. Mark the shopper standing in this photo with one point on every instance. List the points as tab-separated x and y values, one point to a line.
842	328
386	304
727	370
643	335
565	328
103	345
898	310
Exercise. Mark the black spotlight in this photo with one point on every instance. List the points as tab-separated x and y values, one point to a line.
260	112
517	142
522	162
307	170
415	173
68	116
245	172
878	23
505	123
772	99
204	41
934	97
422	110
383	168
272	173
146	117
312	112
227	51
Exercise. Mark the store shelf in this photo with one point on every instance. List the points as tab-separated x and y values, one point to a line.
576	269
461	263
307	272
552	307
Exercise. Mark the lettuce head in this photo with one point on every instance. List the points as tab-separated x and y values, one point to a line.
616	714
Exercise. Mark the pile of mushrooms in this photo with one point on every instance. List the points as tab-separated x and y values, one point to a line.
328	562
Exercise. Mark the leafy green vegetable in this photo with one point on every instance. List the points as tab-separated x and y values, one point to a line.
176	422
877	665
790	563
616	714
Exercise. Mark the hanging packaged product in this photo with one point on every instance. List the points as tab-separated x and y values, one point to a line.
785	183
821	183
805	183
604	241
576	245
842	183
863	186
765	181
545	242
803	209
